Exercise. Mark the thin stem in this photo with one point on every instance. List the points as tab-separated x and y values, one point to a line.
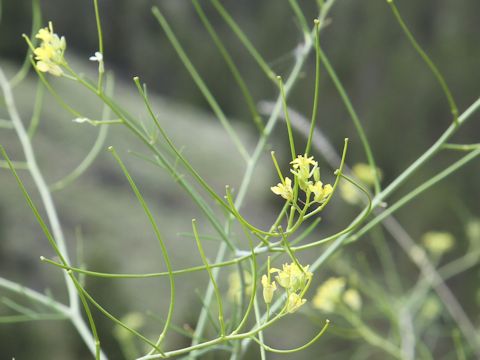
212	279
287	118
164	250
299	348
37	109
100	46
56	238
92	154
36	23
417	191
317	87
353	115
231	65
428	61
244	40
200	83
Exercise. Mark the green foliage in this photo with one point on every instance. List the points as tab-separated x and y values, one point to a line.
389	320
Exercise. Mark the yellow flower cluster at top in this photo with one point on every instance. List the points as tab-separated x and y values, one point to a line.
307	174
294	279
49	55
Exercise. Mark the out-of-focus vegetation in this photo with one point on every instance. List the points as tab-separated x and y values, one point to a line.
398	100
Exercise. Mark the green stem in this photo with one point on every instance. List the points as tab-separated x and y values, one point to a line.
244	40
231	65
200	83
353	115
428	61
212	279
163	248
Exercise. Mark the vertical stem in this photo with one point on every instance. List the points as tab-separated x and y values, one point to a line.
52	215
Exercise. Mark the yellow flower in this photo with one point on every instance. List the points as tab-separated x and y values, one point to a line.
329	294
352	298
234	292
320	192
294	302
438	242
284	190
303	162
301	165
292	278
49	55
268	289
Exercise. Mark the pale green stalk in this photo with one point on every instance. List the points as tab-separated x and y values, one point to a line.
56	239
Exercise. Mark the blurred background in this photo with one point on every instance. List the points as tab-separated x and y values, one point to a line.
397	98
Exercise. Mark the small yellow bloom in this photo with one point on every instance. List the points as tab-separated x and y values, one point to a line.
329	294
320	192
294	302
284	190
291	277
49	55
352	298
268	289
301	169
438	242
303	162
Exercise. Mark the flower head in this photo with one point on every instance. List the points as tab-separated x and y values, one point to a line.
284	189
49	54
320	191
292	277
301	169
294	302
268	289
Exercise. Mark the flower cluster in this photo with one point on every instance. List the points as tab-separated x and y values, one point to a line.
49	55
332	292
294	279
307	175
